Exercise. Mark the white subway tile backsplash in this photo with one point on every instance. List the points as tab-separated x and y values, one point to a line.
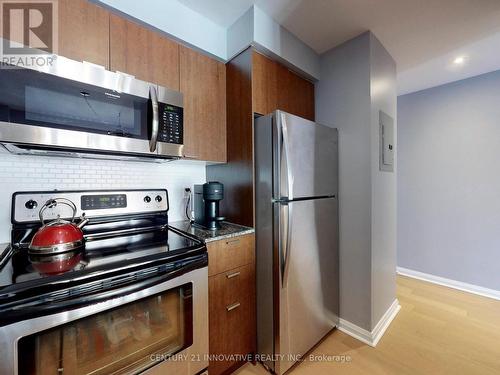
20	172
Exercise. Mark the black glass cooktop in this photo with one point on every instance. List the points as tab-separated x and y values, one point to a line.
108	245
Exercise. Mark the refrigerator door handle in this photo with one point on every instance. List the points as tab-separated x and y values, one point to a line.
286	152
288	237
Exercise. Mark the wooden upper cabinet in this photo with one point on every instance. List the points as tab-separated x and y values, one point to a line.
143	53
83	31
203	83
274	86
264	84
295	94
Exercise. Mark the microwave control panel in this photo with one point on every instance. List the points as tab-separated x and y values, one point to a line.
170	128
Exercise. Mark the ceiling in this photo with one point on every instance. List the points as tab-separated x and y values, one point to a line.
415	32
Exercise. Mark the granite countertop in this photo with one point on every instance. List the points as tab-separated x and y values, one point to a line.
228	230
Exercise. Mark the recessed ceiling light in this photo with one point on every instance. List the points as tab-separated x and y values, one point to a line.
459	60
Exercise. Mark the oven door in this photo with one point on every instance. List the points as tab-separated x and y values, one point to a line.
157	330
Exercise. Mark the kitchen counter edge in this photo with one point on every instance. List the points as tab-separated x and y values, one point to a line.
228	230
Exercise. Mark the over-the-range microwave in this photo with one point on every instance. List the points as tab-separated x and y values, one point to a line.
72	108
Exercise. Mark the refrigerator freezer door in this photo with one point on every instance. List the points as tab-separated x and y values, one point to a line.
305	158
308	268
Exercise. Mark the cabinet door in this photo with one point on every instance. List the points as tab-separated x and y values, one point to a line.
230	253
83	31
143	53
295	94
264	84
274	86
231	316
203	83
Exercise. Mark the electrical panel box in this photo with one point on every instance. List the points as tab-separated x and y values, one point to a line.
386	123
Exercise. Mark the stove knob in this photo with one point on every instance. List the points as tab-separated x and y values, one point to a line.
147	199
31	204
158	199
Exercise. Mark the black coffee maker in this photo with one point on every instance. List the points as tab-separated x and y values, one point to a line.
206	204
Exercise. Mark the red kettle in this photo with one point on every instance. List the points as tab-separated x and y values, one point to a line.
58	236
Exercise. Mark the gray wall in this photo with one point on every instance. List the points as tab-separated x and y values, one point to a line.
383	89
343	101
349	74
449	181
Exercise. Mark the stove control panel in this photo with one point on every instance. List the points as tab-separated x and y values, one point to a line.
103	201
27	205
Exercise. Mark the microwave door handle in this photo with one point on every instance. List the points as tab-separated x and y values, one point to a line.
155	120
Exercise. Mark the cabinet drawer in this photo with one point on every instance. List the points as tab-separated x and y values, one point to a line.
231	286
231	317
230	253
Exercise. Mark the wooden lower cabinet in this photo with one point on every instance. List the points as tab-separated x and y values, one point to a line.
232	325
230	253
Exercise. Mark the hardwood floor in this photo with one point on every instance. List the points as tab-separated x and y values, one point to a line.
438	331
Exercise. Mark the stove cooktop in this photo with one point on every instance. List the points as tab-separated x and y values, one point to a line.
128	247
108	245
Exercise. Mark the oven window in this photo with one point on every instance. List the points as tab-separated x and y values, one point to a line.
122	340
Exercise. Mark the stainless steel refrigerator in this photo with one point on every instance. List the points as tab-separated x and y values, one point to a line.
296	220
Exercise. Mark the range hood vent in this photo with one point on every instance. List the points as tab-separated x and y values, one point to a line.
20	149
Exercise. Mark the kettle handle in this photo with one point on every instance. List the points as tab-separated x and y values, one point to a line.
52	203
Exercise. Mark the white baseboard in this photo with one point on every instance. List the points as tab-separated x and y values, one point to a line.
371	338
471	288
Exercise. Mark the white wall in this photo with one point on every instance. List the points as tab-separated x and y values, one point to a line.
240	34
254	27
283	44
177	20
258	29
449	181
23	173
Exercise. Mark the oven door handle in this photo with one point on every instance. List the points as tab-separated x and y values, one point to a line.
46	305
155	122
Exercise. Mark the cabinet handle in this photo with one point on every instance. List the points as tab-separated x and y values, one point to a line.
231	275
186	156
232	242
233	306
